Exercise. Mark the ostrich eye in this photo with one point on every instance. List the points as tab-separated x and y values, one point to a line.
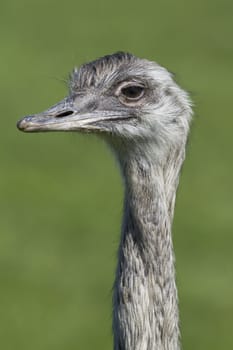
133	92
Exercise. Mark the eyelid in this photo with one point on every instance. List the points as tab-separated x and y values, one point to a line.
126	84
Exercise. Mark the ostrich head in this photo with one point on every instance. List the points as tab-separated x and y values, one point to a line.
136	106
131	102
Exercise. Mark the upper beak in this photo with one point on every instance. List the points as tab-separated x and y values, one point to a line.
61	117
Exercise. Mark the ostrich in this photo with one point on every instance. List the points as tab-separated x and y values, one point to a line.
144	116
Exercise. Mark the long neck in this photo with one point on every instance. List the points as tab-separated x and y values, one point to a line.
145	294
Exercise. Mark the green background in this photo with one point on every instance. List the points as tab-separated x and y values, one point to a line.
61	194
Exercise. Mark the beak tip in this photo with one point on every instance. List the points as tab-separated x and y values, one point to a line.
22	123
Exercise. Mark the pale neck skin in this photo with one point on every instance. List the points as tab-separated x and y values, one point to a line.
145	295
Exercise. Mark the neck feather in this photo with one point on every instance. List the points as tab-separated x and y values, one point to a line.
145	294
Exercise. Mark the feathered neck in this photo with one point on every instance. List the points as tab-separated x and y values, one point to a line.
145	294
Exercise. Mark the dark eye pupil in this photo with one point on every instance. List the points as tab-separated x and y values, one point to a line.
132	91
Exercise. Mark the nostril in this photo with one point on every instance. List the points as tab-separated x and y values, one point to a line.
64	114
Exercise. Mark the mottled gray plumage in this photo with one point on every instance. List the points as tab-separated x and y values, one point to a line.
144	116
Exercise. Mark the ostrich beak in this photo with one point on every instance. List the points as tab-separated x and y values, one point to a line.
60	117
65	117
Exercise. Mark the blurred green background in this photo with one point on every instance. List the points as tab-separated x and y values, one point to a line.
61	194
